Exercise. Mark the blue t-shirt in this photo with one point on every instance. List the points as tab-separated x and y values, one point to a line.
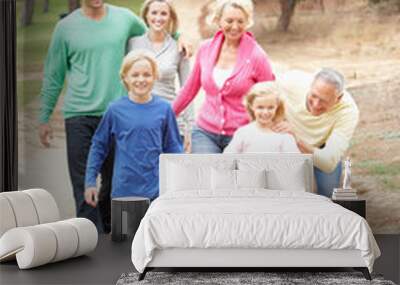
141	133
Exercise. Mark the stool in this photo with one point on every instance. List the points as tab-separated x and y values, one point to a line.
126	214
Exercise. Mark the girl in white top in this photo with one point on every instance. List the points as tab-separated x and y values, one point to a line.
266	109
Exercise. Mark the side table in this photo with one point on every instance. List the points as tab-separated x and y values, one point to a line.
126	214
357	206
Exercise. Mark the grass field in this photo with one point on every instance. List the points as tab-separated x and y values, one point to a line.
33	41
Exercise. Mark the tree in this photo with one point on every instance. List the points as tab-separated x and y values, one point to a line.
393	3
27	12
45	6
287	11
73	4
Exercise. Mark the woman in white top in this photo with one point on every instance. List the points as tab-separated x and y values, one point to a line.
265	109
161	19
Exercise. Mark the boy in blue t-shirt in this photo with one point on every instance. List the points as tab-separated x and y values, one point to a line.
143	126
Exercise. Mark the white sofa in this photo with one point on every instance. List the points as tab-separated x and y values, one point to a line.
247	210
31	231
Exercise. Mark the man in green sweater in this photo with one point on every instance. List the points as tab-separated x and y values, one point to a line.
87	48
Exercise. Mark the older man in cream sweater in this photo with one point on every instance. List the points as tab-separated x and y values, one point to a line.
322	116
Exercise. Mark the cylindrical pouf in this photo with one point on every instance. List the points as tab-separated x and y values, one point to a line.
7	217
23	208
67	239
126	214
87	235
46	206
33	246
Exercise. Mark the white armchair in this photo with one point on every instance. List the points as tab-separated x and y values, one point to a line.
31	230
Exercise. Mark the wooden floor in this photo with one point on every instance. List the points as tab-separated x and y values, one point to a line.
110	260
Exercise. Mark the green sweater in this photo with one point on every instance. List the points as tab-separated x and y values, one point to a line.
89	54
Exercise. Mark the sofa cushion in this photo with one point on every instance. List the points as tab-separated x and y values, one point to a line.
23	208
67	239
7	220
45	205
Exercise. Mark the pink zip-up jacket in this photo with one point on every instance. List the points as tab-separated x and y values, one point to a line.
223	111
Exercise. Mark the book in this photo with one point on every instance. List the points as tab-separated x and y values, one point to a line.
341	190
334	197
344	194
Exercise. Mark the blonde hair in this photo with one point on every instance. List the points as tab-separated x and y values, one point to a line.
265	89
133	57
245	5
173	22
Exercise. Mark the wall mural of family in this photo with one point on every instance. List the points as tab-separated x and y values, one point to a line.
138	125
122	107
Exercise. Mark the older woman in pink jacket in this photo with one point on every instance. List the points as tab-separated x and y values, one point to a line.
226	66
